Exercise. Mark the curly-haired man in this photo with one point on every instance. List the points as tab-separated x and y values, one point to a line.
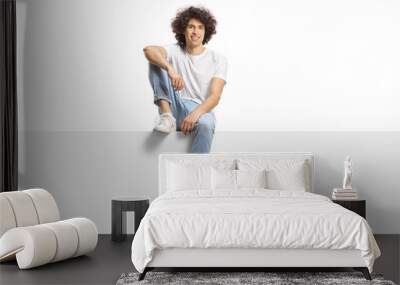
187	78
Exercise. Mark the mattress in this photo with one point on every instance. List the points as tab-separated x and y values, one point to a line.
251	219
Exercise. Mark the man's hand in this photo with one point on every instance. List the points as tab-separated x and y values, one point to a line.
190	121
176	79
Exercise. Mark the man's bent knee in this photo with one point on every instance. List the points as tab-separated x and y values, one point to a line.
205	125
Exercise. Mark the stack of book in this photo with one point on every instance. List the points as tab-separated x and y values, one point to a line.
344	194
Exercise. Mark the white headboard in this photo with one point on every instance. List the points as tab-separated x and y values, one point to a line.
226	156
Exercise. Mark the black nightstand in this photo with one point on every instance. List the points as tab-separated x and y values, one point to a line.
357	206
119	207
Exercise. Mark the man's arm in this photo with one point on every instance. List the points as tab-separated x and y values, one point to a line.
158	55
216	88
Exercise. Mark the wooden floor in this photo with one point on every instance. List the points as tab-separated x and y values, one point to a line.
111	259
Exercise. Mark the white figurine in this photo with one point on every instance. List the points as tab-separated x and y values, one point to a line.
348	165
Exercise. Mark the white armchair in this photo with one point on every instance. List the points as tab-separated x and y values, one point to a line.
31	230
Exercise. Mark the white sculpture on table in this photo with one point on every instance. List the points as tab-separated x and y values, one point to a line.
348	169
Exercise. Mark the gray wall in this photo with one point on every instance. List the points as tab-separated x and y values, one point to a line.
84	170
85	106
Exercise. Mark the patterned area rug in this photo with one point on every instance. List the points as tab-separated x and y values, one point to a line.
270	278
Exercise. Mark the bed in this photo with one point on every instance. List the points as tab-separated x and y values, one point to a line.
246	210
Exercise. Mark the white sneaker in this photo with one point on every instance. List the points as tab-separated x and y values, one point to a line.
166	123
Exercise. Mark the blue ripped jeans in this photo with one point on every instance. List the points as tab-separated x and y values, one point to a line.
180	107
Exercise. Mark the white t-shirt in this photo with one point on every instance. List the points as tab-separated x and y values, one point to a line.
197	71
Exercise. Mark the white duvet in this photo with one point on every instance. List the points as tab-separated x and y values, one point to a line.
251	218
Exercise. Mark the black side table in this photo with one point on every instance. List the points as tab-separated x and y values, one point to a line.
119	207
357	206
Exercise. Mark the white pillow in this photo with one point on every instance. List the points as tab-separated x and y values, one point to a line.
287	179
282	174
223	179
188	177
251	178
227	179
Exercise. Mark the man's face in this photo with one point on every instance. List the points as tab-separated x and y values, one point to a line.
194	33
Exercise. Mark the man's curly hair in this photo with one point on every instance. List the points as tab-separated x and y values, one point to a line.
182	18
